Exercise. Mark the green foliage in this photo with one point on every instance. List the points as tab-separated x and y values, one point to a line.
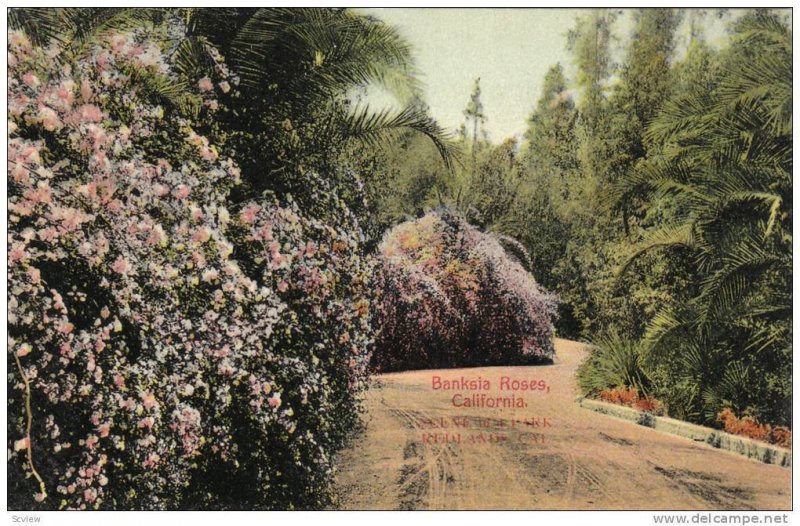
489	186
661	209
549	150
385	126
396	183
614	362
722	179
332	48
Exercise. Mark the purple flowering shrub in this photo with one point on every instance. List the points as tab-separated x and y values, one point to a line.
164	352
450	296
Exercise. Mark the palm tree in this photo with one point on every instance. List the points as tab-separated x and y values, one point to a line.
724	176
298	70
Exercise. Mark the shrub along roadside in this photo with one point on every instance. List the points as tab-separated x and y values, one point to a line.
613	363
164	352
617	371
450	296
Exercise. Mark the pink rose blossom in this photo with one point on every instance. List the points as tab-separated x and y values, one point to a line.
89	113
149	400
205	84
121	266
275	400
17	253
86	91
103	429
31	80
90	495
201	235
49	118
24	350
21	444
181	192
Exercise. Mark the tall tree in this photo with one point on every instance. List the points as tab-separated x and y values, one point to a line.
590	44
549	153
589	41
474	114
645	83
540	215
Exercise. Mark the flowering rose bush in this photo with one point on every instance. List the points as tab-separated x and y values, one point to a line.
450	296
164	351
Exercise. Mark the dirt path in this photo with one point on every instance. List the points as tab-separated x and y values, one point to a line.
548	455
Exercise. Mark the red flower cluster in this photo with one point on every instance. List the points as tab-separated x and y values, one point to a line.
631	398
750	427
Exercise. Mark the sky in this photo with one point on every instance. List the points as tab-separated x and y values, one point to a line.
509	49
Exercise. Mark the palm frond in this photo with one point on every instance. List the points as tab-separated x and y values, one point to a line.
190	58
614	362
768	337
771	201
667	237
764	27
375	127
668	323
337	50
743	266
75	28
170	91
40	24
685	116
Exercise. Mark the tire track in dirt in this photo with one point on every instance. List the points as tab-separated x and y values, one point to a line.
707	488
427	461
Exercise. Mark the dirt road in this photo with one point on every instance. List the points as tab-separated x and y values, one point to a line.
423	449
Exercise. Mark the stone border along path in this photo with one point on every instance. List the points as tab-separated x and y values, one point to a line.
713	437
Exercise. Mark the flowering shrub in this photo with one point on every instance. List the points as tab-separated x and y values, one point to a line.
619	396
631	398
450	296
164	352
781	436
750	427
